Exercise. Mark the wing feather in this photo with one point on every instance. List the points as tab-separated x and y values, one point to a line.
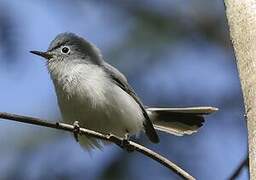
120	80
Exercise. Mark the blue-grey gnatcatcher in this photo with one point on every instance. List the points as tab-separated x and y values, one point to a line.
98	96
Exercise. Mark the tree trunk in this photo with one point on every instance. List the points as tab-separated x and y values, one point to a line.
241	15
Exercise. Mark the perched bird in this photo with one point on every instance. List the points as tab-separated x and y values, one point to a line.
98	96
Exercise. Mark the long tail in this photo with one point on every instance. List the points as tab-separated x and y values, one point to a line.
179	121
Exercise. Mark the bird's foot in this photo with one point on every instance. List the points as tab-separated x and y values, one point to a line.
76	130
124	143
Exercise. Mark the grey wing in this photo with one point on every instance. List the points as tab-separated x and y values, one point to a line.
119	79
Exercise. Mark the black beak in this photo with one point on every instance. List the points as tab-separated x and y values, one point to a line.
45	55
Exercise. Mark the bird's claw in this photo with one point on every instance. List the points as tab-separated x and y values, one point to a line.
76	130
126	143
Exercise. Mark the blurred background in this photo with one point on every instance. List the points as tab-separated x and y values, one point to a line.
174	53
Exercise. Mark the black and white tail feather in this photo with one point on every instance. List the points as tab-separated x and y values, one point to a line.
179	121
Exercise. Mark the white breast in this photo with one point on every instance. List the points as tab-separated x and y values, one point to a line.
86	94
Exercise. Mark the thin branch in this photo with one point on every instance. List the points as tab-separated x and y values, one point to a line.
238	170
124	144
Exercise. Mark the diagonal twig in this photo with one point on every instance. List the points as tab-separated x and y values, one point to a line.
129	145
244	163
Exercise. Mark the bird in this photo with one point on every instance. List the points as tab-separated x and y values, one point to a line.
98	96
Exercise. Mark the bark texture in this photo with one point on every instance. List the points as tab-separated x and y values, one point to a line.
241	15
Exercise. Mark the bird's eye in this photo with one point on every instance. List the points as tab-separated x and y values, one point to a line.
65	50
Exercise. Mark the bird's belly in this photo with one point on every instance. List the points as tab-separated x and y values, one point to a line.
110	110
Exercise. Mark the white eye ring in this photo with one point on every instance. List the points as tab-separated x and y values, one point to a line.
65	50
